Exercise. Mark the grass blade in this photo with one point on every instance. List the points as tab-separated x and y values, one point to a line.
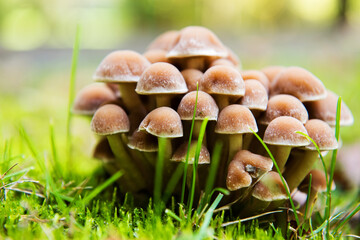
159	171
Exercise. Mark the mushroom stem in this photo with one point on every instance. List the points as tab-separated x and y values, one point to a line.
252	206
235	145
312	199
299	167
194	63
221	100
196	131
126	162
281	154
163	100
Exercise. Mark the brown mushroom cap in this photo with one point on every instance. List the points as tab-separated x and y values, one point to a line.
222	62
254	164
322	134
143	141
161	78
318	181
156	55
192	78
163	122
284	105
110	119
223	80
181	152
206	107
300	83
121	66
257	75
270	188
256	97
89	99
325	109
235	119
197	41
164	41
283	131
237	177
271	72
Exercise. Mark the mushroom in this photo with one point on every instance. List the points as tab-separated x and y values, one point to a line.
281	134
325	109
145	143
162	80
300	83
156	55
271	72
192	78
194	46
255	98
111	121
205	108
164	41
303	162
89	99
224	83
257	75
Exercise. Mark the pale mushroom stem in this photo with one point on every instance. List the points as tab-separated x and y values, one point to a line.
194	63
299	167
196	131
163	100
222	101
280	154
253	206
312	199
235	145
132	100
126	162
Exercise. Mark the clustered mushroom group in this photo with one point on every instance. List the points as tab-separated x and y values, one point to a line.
139	98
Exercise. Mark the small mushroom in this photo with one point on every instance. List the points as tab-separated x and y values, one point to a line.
257	75
156	55
255	98
192	78
164	41
272	72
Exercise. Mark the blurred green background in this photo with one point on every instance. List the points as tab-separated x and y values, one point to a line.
36	39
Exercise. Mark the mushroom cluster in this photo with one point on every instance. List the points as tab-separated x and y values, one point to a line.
139	98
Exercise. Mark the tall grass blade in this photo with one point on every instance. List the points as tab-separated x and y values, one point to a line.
159	172
195	165
74	62
100	188
346	220
281	177
183	186
170	187
55	160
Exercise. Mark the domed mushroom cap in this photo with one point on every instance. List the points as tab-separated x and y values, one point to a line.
161	78
254	164
300	83
325	109
222	62
270	188
121	66
197	41
192	78
164	41
256	97
235	119
223	80
206	106
163	122
283	131
181	152
318	182
284	105
156	55
110	119
322	134
237	177
89	99
257	75
143	141
271	72
232	57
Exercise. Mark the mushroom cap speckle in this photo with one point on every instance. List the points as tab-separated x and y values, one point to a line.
205	107
121	66
235	119
284	105
163	122
300	83
197	41
223	80
283	131
181	152
91	97
161	78
256	97
110	119
270	188
325	109
322	134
